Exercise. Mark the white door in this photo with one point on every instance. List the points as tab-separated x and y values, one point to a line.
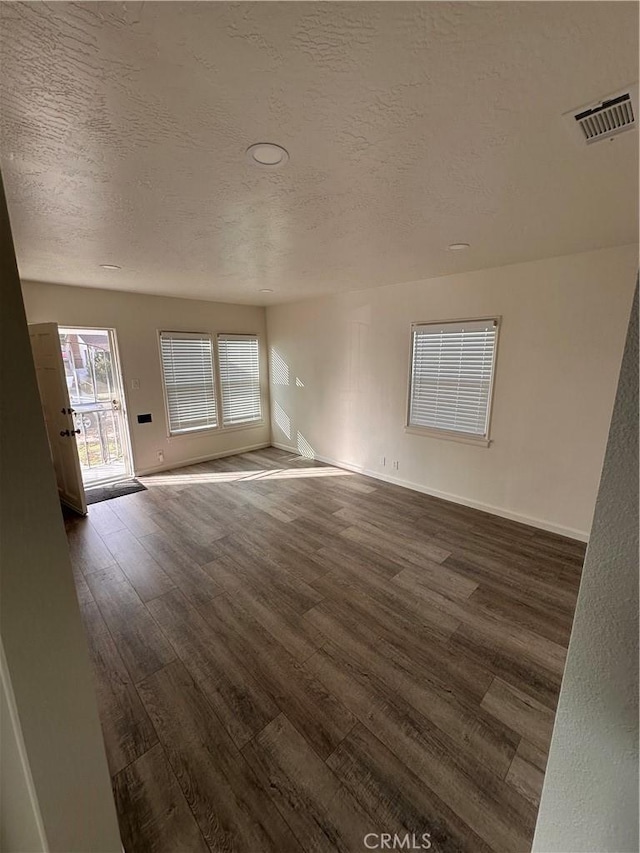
58	415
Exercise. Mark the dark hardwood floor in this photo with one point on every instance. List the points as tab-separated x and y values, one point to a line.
289	656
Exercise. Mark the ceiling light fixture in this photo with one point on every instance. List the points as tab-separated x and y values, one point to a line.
458	247
267	155
110	267
266	290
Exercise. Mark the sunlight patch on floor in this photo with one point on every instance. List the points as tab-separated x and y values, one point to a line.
181	478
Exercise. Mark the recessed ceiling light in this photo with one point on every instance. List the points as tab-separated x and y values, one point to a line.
266	290
110	266
458	247
267	155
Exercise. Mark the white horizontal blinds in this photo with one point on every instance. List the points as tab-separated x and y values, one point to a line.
451	375
239	367
187	367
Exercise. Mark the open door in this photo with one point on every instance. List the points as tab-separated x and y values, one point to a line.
58	415
94	383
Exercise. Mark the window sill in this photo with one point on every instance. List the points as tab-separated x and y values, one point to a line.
192	433
247	425
479	441
199	433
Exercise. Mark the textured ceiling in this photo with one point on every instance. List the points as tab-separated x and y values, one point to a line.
409	125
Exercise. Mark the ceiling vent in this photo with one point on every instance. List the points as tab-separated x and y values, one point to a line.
607	118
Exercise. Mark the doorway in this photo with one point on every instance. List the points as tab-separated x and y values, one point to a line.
94	383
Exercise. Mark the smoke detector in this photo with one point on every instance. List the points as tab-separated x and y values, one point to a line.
605	119
268	155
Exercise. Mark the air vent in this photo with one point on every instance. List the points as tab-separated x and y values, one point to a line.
606	119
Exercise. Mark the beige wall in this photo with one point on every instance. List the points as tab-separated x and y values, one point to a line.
590	796
137	320
339	382
46	662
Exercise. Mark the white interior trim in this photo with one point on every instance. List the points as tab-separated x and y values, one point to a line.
542	524
14	723
183	463
463	437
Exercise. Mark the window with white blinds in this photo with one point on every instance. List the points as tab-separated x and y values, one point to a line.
187	369
239	367
452	366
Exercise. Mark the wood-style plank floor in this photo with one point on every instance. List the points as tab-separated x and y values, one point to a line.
289	656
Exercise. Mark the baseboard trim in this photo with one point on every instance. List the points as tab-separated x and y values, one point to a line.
540	523
195	459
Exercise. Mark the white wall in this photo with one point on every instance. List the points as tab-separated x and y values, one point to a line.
340	368
137	319
590	796
47	662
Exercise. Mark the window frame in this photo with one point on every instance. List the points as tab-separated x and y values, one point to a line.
447	434
217	384
245	424
172	436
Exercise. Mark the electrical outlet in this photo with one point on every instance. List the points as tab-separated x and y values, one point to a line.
396	464
135	384
161	456
383	461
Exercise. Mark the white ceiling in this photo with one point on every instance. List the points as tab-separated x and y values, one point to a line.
409	126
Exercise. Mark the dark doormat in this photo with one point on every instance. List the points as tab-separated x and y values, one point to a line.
113	490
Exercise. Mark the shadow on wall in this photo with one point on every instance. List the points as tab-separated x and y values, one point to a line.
282	419
280	375
279	369
304	448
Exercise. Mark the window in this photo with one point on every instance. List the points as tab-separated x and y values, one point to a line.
239	379
452	366
187	368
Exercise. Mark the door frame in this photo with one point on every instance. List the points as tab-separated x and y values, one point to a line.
124	408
